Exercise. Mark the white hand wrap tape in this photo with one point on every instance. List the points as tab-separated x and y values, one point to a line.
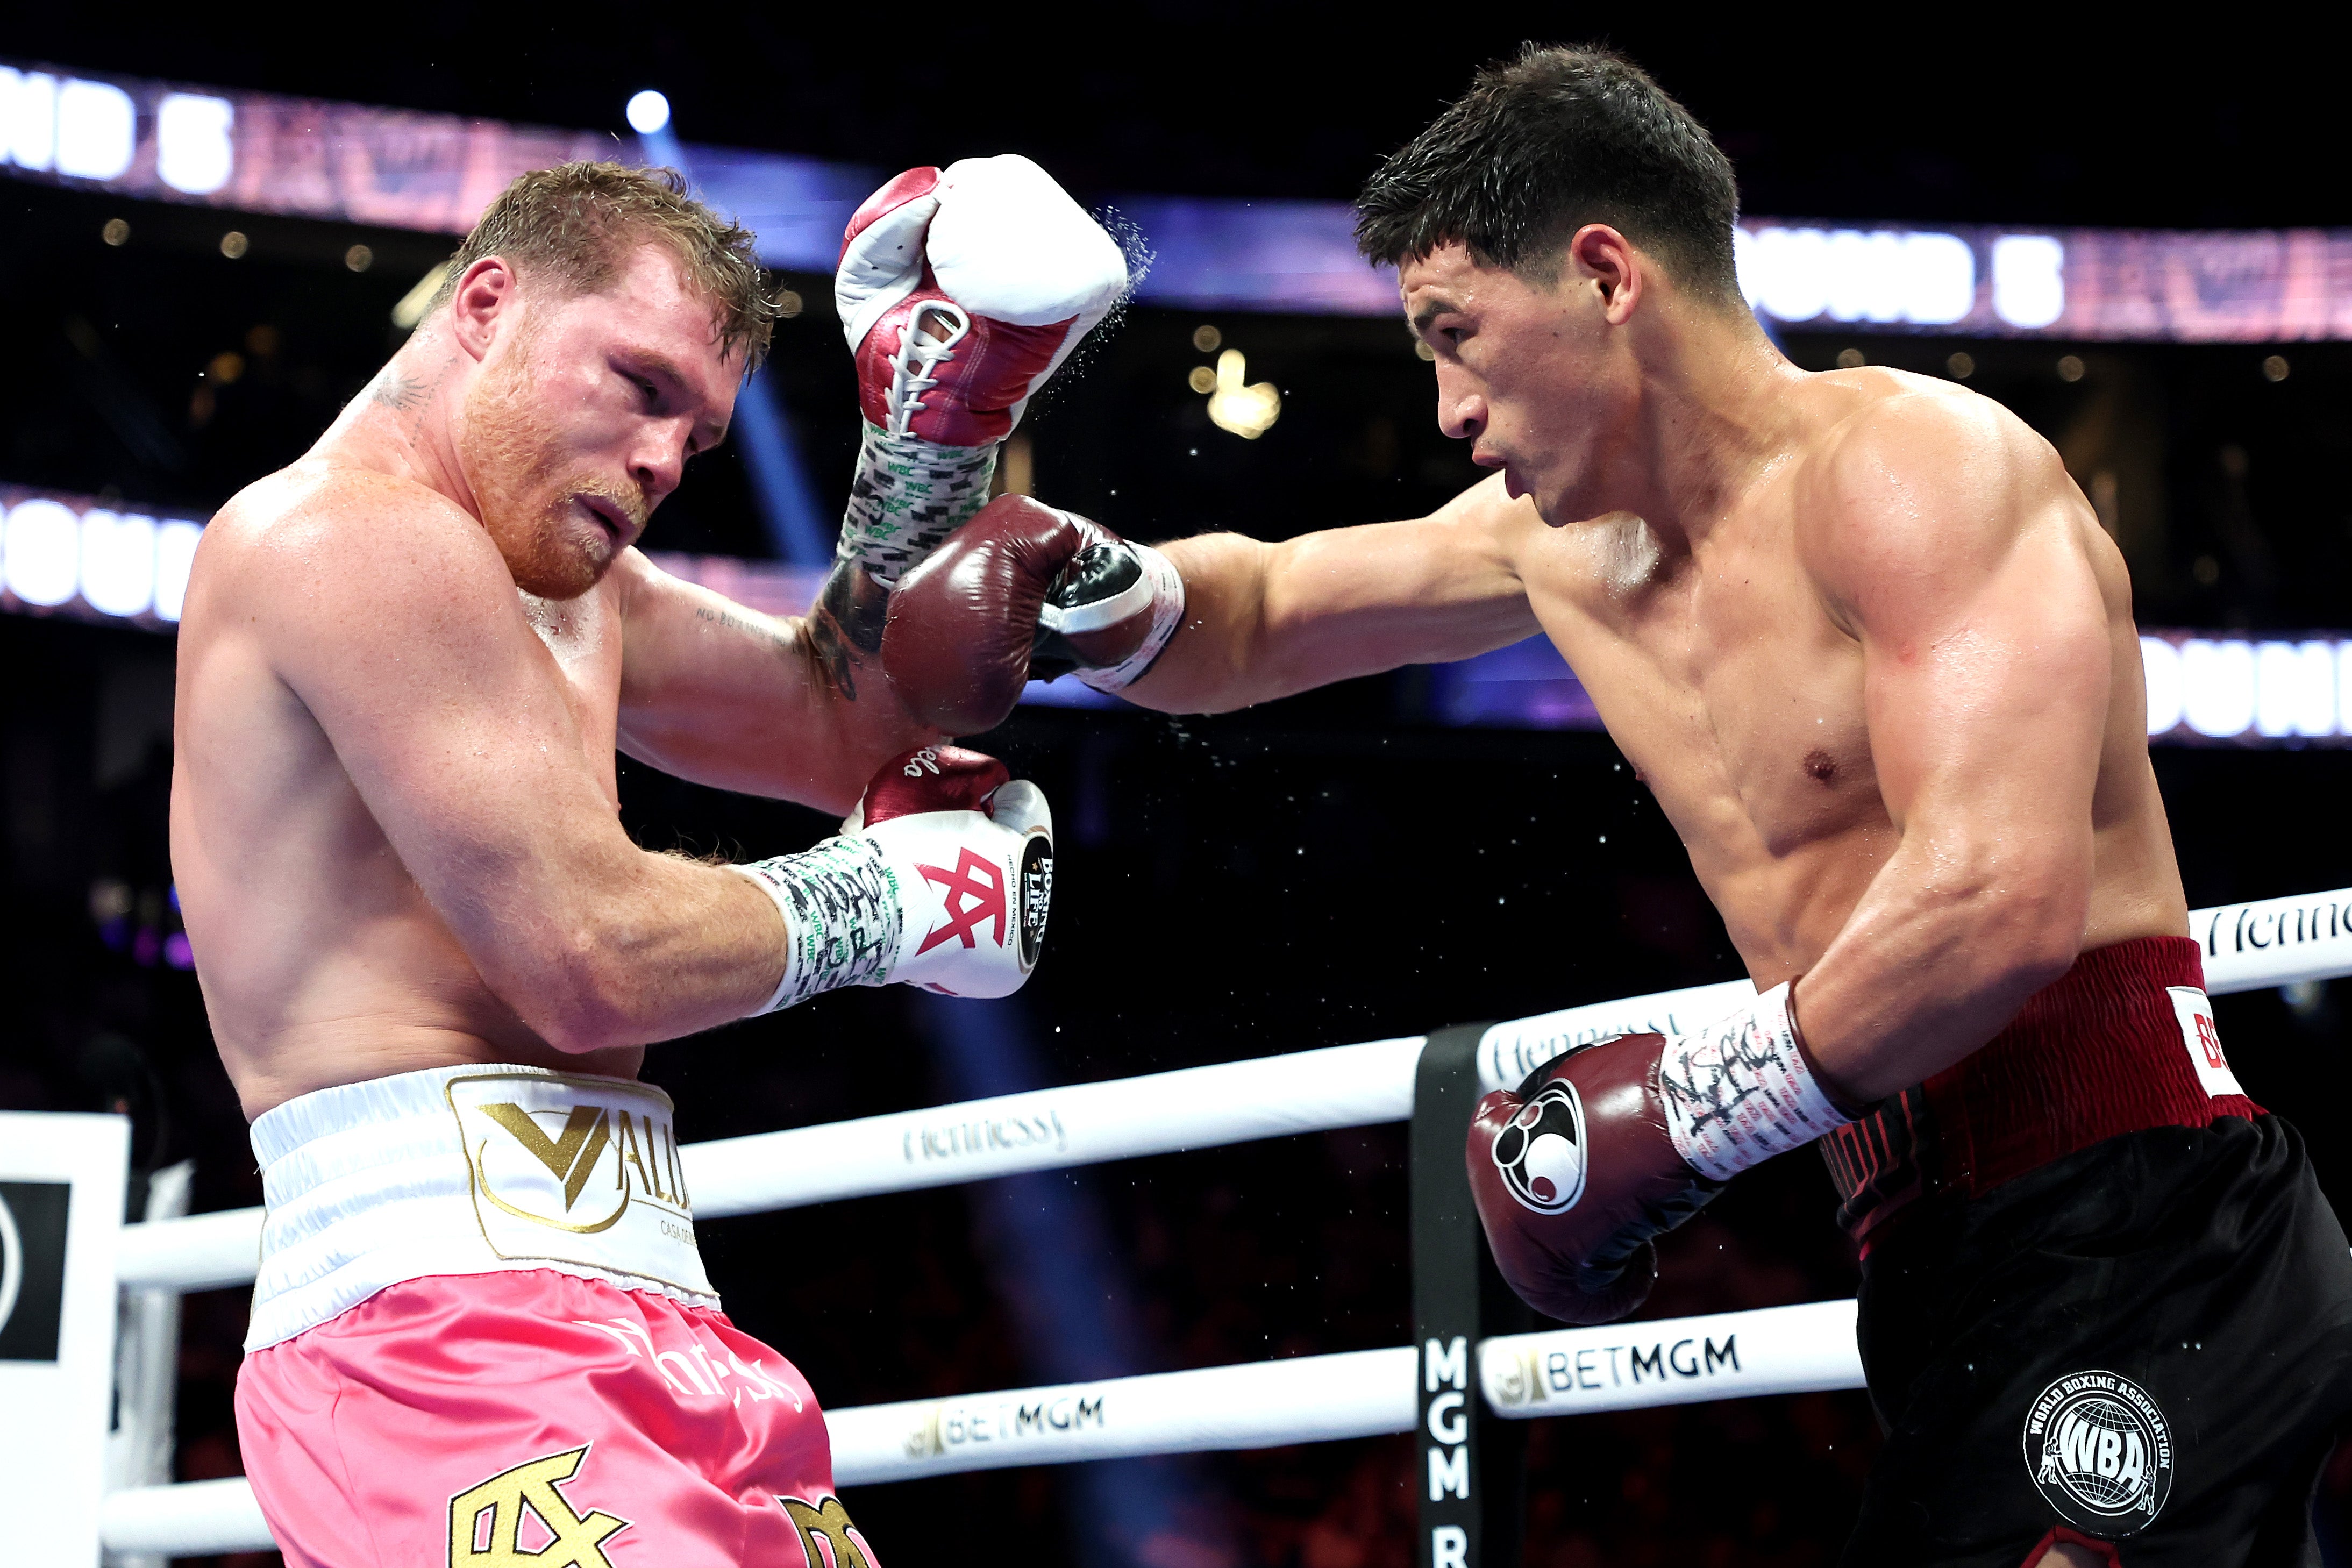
1740	1090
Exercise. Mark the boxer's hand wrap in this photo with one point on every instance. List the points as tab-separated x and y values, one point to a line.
1026	590
1740	1090
960	292
908	495
1607	1147
942	877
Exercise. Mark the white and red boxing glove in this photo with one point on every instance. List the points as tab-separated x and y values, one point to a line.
1606	1148
960	291
942	877
1024	589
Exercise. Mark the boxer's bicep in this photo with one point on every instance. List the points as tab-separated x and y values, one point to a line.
1985	653
724	695
1956	567
1263	621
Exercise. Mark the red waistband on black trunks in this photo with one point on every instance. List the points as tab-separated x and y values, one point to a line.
2099	1052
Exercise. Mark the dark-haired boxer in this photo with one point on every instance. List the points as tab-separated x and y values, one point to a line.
481	1331
1873	652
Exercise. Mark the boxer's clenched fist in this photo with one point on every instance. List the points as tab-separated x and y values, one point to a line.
960	291
1024	589
942	877
1611	1144
1574	1172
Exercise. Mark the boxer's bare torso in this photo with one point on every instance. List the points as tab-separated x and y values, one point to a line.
1872	651
394	816
326	962
1725	674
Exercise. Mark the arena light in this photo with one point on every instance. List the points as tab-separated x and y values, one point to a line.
411	307
175	552
195	153
118	562
648	112
2217	686
2295	689
40	553
1881	276
1248	411
59	553
29	117
98	129
2029	280
2160	665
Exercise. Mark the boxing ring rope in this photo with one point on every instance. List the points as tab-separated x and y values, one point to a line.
1777	1350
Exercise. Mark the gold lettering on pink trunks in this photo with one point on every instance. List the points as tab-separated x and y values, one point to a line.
485	1522
827	1521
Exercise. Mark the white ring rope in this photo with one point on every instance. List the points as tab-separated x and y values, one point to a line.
1257	1404
2276	941
1775	1350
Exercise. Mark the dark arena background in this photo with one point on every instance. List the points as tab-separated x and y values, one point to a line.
2153	233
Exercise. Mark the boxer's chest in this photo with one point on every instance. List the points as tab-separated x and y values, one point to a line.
1723	679
584	637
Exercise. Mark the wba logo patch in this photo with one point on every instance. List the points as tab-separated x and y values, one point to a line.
2100	1452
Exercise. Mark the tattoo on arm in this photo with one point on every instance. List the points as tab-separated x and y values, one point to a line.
845	626
777	642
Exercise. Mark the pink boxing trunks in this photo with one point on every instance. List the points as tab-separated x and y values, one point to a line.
482	1337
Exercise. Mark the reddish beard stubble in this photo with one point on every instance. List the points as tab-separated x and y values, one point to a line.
513	459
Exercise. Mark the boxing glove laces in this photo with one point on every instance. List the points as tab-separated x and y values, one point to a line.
1606	1148
942	877
960	291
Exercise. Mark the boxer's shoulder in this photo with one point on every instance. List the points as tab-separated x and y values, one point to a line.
1898	473
320	539
1868	433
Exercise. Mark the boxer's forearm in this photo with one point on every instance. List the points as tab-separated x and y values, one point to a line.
1263	621
790	708
642	948
1948	942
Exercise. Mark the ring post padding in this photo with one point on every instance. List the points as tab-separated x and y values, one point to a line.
1467	1483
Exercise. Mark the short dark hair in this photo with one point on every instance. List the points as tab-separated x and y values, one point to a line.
1541	145
576	224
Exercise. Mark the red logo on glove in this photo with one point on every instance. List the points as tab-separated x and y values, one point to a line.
975	892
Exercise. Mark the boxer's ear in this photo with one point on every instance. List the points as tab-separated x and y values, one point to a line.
484	304
1601	258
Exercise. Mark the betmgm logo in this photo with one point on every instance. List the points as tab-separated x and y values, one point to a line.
32	1267
952	1427
2100	1452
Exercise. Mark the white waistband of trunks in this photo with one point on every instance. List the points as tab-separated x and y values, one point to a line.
467	1170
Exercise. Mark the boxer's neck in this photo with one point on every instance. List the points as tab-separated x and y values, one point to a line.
1712	412
406	421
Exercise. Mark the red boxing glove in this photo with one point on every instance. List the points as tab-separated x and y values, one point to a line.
961	290
1024	589
1575	1173
942	877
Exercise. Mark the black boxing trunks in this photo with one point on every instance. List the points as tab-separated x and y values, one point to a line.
2144	1348
2104	1301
